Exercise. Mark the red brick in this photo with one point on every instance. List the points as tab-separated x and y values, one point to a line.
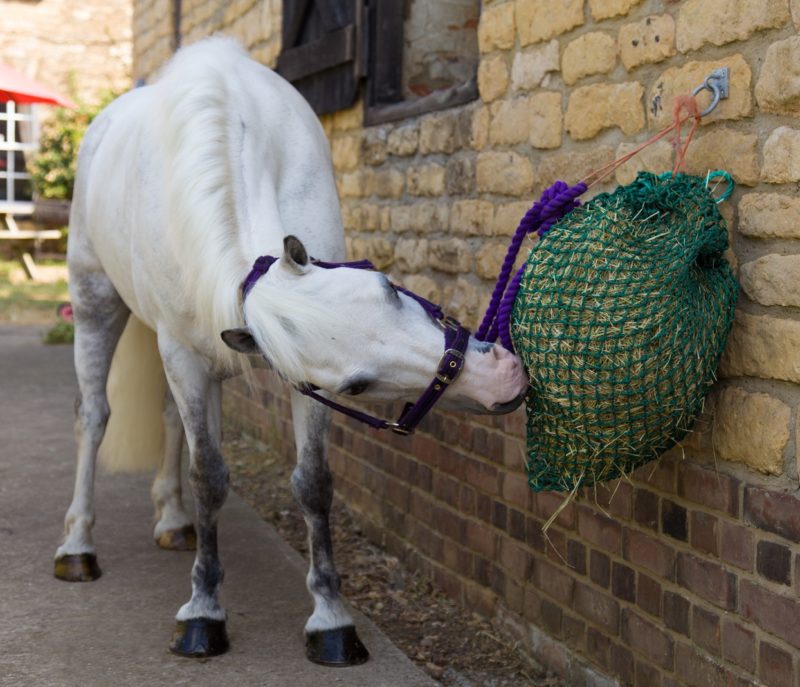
648	595
421	507
738	645
709	488
516	524
481	571
772	612
696	670
556	547
599	568
450	524
621	663
704	530
500	515
599	530
650	553
480	539
659	474
551	617
426	448
597	646
674	522
498	577
647	675
532	605
483	507
737	545
515	559
481	476
676	612
774	511
708	580
514	594
467	500
596	607
576	556
553	581
774	665
397	492
705	629
645	508
451	463
516	490
623	582
573	632
615	498
774	561
545	503
534	537
647	639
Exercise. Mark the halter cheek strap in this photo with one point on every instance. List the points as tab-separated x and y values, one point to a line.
456	340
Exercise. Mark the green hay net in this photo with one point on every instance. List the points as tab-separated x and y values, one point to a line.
620	320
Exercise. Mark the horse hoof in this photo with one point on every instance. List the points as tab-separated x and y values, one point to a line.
199	638
183	539
77	567
338	647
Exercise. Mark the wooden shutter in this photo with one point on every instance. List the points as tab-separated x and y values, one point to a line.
322	53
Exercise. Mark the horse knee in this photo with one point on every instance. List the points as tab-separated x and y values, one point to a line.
209	480
93	417
313	489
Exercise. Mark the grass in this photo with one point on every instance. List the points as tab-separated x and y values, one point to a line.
26	302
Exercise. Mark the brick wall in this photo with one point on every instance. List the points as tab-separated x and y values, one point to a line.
59	41
688	573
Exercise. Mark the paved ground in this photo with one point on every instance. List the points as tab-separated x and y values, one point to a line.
115	631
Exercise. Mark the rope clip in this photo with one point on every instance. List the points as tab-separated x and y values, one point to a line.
718	82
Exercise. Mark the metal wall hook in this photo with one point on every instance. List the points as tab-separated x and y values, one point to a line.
718	82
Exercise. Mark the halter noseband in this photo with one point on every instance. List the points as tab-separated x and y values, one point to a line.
456	339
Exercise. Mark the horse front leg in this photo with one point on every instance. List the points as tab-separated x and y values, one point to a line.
174	529
100	317
200	629
331	637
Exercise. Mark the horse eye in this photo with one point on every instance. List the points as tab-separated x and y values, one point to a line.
357	388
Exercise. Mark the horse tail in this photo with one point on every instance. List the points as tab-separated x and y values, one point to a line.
134	437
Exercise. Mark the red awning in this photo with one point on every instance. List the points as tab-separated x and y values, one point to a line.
14	86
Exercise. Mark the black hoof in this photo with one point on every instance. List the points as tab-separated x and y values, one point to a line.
338	647
77	567
183	539
199	638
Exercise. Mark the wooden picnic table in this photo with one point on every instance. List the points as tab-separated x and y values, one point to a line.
10	231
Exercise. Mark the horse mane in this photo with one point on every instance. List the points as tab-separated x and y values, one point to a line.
199	138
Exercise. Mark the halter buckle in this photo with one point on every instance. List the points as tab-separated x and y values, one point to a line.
456	366
398	429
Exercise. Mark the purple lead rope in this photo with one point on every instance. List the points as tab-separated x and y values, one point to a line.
556	201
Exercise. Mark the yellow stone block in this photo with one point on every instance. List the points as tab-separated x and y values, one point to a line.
647	41
496	28
538	20
602	106
591	53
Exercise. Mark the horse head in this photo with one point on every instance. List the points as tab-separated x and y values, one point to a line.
352	332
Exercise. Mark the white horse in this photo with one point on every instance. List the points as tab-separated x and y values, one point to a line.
181	186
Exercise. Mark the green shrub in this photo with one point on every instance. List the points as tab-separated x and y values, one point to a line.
53	166
61	333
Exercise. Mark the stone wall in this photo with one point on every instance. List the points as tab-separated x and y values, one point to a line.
688	573
59	42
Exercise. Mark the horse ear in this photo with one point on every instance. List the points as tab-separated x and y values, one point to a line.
240	340
294	254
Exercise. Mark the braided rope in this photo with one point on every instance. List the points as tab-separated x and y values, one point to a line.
556	202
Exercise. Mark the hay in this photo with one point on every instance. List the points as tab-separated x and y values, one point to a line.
620	320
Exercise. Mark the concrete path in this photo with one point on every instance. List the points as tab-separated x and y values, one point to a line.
115	631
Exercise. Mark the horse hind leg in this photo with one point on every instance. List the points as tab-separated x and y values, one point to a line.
331	637
100	317
174	529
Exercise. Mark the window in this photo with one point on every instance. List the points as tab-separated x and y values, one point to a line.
416	55
18	136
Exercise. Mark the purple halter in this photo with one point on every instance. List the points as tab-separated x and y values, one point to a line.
456	340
